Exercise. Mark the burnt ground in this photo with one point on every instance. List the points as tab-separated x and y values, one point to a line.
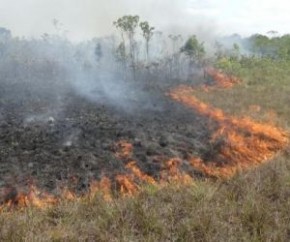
54	139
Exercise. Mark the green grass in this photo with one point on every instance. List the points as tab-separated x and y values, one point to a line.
265	83
251	206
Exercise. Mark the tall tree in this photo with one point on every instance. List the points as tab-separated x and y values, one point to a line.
147	31
127	25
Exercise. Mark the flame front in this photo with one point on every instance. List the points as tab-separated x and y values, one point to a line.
34	197
240	143
243	142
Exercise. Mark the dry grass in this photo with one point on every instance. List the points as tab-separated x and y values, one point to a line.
253	206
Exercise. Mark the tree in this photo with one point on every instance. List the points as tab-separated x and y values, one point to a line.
194	50
127	25
260	44
147	34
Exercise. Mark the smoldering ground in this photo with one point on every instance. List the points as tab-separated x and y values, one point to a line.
63	110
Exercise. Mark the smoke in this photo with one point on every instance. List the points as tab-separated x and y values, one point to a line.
52	66
80	20
88	18
42	77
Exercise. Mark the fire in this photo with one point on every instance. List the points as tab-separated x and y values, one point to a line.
129	183
172	173
220	79
104	187
239	143
139	174
124	149
34	197
242	141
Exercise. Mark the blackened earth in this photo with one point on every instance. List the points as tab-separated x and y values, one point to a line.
52	138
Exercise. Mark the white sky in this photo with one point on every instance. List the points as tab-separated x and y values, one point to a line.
84	19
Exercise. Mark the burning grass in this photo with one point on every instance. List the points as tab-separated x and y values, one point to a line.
128	183
253	206
238	143
220	79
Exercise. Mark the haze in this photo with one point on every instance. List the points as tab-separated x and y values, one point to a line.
85	19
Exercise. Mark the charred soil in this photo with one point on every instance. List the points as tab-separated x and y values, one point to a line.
72	141
154	134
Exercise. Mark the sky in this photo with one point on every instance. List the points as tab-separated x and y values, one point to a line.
85	19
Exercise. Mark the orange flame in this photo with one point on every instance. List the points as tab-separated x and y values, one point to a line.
240	143
104	187
128	183
139	174
172	173
244	142
220	79
34	197
124	149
